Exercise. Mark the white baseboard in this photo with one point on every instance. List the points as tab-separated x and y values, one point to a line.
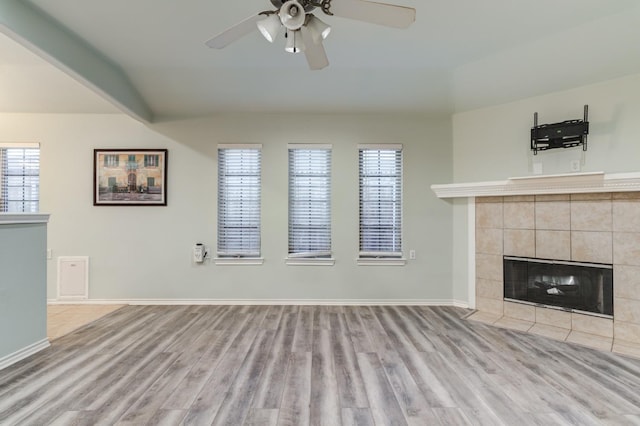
306	302
460	304
23	353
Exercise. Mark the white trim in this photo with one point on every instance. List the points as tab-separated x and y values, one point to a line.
310	261
238	260
380	261
310	255
22	145
310	146
573	183
397	146
23	353
18	218
239	146
471	261
578	175
263	302
88	302
460	304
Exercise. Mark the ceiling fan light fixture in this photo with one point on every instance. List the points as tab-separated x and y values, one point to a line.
269	27
292	15
294	42
319	30
304	32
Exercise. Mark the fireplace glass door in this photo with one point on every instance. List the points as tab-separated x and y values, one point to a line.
569	285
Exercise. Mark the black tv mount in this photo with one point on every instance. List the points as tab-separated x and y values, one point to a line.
566	134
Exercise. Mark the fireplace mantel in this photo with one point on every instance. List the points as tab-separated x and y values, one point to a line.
570	183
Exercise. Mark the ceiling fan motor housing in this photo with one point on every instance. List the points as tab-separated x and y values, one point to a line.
292	15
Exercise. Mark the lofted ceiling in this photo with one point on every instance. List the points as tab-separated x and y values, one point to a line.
148	58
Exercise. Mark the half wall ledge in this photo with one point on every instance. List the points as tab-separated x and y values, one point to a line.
23	218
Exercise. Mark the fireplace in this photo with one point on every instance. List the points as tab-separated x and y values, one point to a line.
572	286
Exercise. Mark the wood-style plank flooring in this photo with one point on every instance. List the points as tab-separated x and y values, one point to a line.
310	365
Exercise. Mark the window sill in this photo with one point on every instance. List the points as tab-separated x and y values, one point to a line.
395	261
302	261
238	260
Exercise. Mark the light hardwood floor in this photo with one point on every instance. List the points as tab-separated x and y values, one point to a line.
63	319
306	365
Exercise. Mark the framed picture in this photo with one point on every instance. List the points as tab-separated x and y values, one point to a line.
130	177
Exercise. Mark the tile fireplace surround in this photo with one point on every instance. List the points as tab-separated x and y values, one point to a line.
591	217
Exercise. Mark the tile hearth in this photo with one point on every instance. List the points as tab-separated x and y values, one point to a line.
594	228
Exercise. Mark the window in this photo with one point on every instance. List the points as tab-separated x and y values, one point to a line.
380	201
309	201
239	170
151	160
111	160
19	178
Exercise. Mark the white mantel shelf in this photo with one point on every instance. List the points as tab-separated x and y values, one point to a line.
23	218
571	183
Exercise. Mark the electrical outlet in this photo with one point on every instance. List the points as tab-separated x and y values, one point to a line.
49	254
537	168
575	165
412	254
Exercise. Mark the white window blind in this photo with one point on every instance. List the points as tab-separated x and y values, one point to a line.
239	202
380	201
19	178
309	202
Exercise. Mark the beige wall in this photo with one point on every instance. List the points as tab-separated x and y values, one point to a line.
493	143
145	252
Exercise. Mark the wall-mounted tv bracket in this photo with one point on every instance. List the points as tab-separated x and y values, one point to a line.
566	134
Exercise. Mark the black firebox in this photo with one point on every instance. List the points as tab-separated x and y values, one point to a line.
573	286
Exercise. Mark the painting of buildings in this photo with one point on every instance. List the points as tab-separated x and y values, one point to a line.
130	177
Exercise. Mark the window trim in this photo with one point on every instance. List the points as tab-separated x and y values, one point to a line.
319	258
310	261
381	261
367	258
231	258
22	145
228	261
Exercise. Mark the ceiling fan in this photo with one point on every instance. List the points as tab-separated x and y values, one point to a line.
304	32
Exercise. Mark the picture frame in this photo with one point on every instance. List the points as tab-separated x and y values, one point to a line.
130	177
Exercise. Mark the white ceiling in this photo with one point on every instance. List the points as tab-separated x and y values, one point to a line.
458	55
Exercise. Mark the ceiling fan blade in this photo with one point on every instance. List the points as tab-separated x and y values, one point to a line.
232	34
385	14
315	53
